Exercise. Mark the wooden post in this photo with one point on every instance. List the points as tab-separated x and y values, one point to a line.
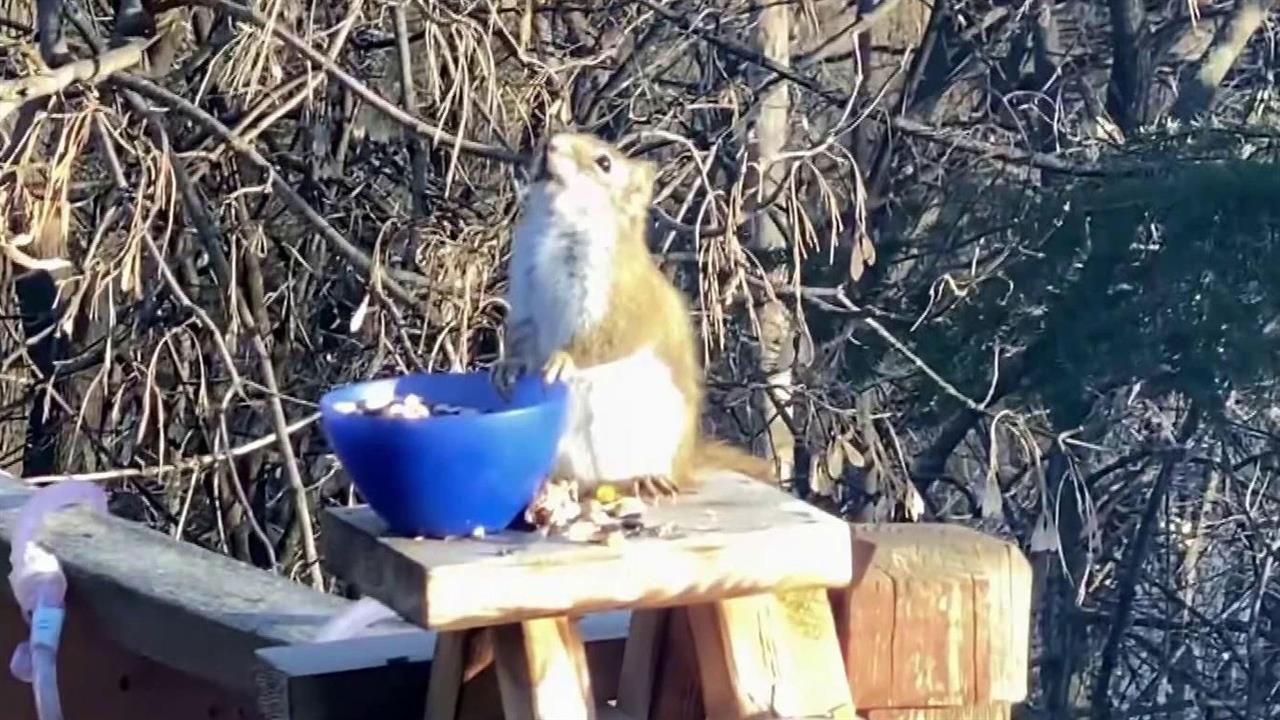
770	656
659	679
542	671
938	618
764	178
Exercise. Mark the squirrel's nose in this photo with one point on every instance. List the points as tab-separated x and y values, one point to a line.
553	147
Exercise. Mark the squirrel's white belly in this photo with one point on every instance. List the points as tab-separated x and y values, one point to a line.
626	420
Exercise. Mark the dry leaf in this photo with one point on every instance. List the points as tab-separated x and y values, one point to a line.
835	460
852	454
1045	536
819	481
357	318
992	504
856	265
914	504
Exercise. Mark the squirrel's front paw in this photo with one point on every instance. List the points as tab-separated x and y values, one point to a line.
558	367
504	374
655	487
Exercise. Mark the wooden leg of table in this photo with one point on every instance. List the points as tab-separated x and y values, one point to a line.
640	657
988	711
770	656
659	676
678	695
445	685
542	671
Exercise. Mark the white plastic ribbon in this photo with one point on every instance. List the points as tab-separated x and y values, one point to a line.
40	589
354	620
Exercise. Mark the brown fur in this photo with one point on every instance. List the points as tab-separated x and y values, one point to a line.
646	309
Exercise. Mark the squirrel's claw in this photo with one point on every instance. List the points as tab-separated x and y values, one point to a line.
504	374
558	367
654	487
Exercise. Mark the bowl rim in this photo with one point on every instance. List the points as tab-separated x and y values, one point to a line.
558	389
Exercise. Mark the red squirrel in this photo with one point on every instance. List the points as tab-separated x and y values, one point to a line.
588	305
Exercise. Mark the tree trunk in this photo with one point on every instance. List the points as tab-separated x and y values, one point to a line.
1199	83
1130	572
1131	69
37	297
776	324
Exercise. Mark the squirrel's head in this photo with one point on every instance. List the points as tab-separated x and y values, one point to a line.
591	183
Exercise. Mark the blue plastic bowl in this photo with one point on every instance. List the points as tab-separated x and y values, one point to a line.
448	474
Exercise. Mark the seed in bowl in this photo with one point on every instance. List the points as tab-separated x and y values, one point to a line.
411	407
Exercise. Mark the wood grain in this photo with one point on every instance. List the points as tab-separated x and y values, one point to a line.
445	686
542	671
987	711
659	679
939	617
770	656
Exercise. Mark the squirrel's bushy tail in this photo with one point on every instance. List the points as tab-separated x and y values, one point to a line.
712	455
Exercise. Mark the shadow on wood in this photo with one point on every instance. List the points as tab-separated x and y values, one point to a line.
101	681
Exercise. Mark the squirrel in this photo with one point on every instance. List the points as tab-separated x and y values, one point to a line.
589	306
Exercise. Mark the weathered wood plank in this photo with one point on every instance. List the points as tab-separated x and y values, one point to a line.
177	604
380	676
98	680
640	659
678	695
940	616
770	656
445	688
726	544
386	676
542	671
986	711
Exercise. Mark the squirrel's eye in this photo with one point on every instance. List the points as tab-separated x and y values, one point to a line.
604	163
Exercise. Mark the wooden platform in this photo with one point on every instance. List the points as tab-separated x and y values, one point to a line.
733	538
172	602
938	617
935	626
734	594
